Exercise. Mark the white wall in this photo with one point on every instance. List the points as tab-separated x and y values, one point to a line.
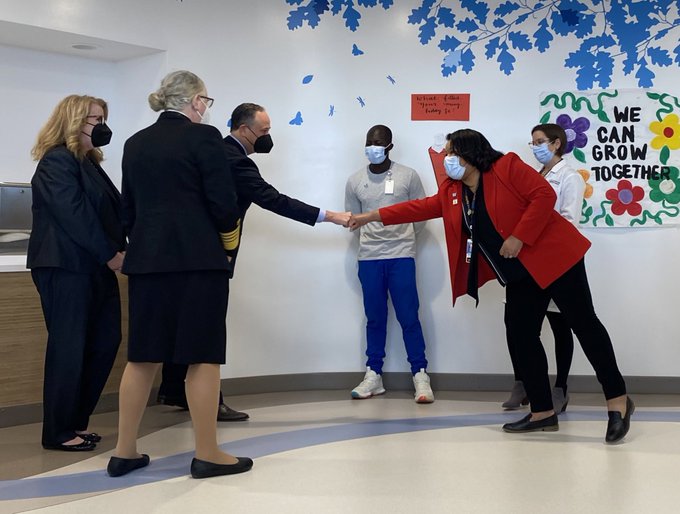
295	300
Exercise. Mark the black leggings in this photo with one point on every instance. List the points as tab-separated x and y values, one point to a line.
564	349
526	304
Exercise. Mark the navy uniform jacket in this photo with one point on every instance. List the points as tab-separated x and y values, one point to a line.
76	214
252	188
178	196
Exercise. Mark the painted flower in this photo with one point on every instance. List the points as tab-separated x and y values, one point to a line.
667	132
589	189
575	130
666	188
626	198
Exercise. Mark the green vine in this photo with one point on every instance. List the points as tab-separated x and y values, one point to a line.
607	218
656	217
661	99
586	212
561	103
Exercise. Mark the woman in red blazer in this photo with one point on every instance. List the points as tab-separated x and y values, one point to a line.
500	222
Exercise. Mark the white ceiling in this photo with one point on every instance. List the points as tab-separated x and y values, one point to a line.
48	40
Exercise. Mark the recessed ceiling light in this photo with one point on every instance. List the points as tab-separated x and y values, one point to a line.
84	46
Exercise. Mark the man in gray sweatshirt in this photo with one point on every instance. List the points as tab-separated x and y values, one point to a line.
387	263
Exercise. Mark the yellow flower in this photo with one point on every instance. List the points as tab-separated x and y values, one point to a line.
589	189
668	132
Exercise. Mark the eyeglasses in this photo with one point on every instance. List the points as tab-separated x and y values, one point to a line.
208	101
540	142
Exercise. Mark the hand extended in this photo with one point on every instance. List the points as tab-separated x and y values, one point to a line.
511	247
116	262
339	218
359	220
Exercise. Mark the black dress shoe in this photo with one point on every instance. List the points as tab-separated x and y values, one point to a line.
205	469
618	425
91	437
226	413
525	424
173	401
85	446
118	466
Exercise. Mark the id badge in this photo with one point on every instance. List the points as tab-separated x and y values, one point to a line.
468	251
389	187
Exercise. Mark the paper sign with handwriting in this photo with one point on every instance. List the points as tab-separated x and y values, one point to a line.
448	107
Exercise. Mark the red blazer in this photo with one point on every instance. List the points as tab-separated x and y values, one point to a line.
520	202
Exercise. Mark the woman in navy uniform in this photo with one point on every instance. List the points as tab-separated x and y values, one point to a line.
181	215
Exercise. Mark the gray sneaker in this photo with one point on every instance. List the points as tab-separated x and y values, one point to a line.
518	397
560	400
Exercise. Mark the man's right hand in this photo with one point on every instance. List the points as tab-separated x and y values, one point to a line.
339	218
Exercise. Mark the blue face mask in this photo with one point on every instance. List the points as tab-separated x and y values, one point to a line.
453	167
376	154
542	153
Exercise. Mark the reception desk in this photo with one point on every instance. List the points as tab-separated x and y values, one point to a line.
23	338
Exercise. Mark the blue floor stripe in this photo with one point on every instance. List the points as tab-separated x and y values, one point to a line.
178	465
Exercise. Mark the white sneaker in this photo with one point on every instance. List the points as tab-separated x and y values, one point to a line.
371	385
424	392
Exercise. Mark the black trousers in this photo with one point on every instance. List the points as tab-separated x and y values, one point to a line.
564	349
82	315
526	304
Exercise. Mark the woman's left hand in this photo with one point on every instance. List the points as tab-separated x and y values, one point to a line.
511	247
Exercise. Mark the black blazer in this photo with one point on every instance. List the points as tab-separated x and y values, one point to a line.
252	188
76	214
178	195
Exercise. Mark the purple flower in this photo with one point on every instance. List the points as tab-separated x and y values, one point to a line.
575	131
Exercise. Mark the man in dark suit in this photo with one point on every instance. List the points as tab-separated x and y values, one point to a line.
250	126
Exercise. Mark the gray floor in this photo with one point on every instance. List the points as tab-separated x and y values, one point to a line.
22	456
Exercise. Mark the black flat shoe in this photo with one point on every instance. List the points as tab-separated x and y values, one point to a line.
118	466
618	425
85	446
205	469
91	437
526	425
226	413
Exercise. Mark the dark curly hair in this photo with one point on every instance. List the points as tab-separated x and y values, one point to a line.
474	148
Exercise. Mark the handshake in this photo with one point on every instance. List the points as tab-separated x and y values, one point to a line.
347	219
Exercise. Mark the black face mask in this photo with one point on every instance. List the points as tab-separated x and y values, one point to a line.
101	134
262	144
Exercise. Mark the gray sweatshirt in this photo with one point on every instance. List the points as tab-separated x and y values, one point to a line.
365	191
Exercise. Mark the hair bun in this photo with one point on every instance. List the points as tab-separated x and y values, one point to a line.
157	100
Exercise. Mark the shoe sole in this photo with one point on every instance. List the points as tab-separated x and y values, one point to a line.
357	396
424	399
553	428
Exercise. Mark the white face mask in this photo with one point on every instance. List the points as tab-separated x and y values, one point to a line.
376	154
205	117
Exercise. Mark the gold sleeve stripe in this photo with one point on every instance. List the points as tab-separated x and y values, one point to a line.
230	240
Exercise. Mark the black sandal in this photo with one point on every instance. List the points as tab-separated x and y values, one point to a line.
90	437
85	446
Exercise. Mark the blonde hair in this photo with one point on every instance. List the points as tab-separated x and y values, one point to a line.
65	125
177	90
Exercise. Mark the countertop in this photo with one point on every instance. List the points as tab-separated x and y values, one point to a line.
9	263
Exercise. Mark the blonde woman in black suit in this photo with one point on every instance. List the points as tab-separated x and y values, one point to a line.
181	216
76	244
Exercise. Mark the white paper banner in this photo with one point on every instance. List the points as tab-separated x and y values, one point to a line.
625	145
